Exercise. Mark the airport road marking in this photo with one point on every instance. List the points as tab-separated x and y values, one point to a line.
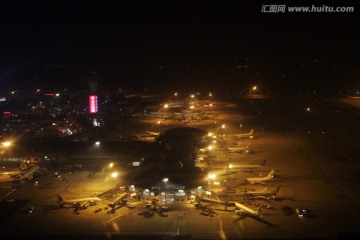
178	227
221	232
7	194
112	219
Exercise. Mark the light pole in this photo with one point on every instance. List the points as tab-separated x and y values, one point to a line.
223	126
165	180
211	176
229	169
113	176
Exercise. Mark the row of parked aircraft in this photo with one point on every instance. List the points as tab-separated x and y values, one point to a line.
235	167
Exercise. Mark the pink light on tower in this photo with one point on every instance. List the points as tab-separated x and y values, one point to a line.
93	104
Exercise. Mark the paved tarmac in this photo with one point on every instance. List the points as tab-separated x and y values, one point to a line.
317	171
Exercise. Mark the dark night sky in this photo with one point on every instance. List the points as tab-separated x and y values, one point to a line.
171	44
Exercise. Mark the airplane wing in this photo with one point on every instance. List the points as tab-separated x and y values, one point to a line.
77	203
153	133
29	173
84	205
247	210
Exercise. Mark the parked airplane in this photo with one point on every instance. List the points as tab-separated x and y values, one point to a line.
264	194
29	173
80	202
243	149
242	209
245	135
148	138
249	168
261	179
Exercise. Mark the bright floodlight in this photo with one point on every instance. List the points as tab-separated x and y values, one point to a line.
6	144
223	126
165	180
212	176
254	88
166	105
114	175
97	143
111	165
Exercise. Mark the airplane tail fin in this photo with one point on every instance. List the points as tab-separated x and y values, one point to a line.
271	174
248	145
263	162
258	210
60	199
251	132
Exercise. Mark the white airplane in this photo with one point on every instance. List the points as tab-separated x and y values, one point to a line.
242	209
245	135
239	149
235	167
261	179
264	194
146	138
80	202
